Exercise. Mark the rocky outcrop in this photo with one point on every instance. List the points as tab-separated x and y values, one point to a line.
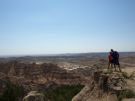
103	87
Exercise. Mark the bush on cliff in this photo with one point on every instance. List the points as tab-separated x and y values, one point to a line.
12	92
63	93
125	94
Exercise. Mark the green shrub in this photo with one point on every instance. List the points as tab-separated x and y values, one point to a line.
63	93
125	94
12	92
132	75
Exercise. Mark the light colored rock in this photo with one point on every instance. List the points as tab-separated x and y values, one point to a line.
34	96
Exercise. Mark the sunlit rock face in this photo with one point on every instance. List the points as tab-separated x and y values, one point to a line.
38	73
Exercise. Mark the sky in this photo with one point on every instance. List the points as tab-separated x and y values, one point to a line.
29	27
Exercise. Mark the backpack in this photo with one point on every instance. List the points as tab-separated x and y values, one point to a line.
115	55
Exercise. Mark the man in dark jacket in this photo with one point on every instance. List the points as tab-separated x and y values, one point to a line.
115	56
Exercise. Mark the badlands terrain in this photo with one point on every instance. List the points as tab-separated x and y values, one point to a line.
67	77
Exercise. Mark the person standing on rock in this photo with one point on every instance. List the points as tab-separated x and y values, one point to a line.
115	60
110	60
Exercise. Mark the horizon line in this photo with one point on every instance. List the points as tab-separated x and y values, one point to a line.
55	54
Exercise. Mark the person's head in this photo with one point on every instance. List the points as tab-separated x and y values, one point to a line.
112	50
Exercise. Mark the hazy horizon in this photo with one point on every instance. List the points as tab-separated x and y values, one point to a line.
57	54
29	27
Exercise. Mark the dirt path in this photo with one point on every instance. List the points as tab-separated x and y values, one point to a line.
129	70
128	64
130	83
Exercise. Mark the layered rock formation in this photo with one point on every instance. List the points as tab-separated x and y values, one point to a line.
99	85
37	74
